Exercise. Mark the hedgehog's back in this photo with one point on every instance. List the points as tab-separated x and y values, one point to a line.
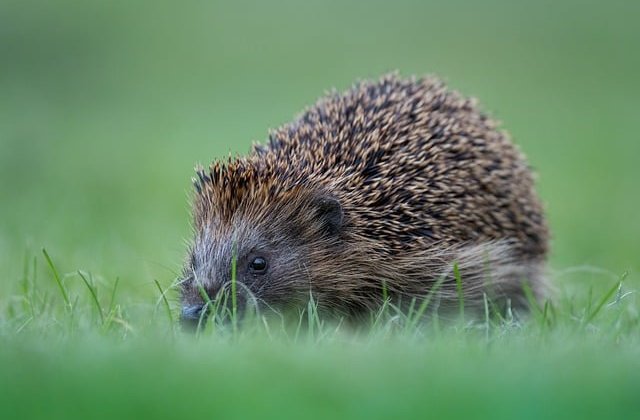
415	164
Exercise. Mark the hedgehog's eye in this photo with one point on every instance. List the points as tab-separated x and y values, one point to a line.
258	265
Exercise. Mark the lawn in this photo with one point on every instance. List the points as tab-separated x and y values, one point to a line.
105	107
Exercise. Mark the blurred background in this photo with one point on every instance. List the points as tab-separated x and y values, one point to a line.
105	107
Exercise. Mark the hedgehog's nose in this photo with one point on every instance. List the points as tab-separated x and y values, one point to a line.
191	317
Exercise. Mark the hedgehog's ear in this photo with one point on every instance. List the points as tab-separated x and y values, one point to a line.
329	211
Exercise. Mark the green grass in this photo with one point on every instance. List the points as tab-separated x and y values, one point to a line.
106	356
105	107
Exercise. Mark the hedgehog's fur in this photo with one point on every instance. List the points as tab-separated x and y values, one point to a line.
379	190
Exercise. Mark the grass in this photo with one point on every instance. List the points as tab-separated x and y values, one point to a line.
102	357
106	107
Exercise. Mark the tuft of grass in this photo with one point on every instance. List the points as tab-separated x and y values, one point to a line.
399	336
266	348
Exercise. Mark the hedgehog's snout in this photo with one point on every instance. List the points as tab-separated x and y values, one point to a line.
192	316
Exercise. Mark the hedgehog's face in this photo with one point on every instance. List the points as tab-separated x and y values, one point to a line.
264	256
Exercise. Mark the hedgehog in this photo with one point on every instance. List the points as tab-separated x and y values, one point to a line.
396	189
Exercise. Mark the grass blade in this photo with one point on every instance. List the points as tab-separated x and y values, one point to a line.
456	274
94	295
113	294
56	276
426	302
603	301
234	289
166	302
487	319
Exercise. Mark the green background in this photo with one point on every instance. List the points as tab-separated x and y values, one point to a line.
105	107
